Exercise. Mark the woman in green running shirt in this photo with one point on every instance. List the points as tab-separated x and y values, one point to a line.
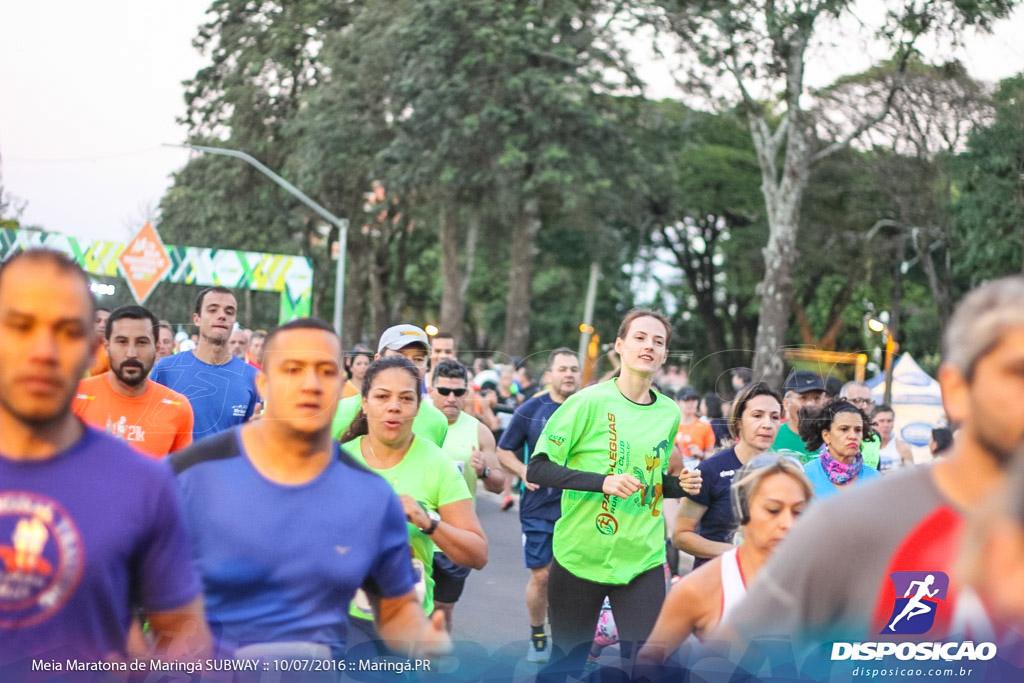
608	447
433	493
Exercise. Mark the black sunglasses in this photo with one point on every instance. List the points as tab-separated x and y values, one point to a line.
444	391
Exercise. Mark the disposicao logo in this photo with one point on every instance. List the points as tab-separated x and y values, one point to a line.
923	593
919	597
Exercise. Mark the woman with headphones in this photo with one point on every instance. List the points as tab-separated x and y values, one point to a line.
768	494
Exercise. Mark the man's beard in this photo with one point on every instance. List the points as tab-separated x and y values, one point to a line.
132	381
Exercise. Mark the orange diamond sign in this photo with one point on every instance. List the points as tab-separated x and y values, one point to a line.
144	262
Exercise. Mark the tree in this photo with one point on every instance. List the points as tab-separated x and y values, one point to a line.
263	57
10	207
932	115
764	44
703	206
503	119
988	212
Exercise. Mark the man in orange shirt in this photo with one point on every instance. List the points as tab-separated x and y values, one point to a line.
149	416
100	362
695	438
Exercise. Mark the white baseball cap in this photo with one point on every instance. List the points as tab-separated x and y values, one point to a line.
398	337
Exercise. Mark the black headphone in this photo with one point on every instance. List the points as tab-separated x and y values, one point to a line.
740	492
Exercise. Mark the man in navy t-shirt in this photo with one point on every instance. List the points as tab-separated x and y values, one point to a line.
539	507
285	526
220	387
89	529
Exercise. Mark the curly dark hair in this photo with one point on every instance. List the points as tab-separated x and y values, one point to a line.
814	422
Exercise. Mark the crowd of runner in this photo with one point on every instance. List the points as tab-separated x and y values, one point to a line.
327	500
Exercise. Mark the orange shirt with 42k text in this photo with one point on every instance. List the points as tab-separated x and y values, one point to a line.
157	423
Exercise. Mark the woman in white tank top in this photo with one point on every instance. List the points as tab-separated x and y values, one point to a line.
769	493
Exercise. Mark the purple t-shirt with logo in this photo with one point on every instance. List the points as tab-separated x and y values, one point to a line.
85	536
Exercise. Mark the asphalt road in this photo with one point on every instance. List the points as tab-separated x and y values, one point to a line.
492	610
490	625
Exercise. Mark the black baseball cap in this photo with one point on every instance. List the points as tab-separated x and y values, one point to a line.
687	394
802	381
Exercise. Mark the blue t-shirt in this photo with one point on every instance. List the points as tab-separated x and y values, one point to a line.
84	536
718	523
522	433
222	396
823	488
281	563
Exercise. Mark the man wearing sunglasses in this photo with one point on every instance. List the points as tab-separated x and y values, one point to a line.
859	394
471	445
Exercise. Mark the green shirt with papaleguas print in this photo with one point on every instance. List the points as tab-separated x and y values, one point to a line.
604	538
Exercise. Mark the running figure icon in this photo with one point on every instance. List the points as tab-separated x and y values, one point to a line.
915	606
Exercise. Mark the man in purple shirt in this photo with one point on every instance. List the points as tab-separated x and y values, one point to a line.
90	531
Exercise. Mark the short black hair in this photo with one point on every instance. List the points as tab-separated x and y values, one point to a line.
882	408
746	375
297	324
211	290
714	405
132	312
943	438
525	369
101	308
451	369
58	260
444	335
561	351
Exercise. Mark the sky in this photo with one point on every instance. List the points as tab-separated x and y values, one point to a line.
89	93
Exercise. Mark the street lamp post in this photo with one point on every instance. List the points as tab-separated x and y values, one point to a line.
340	223
891	347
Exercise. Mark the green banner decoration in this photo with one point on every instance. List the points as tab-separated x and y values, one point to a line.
290	275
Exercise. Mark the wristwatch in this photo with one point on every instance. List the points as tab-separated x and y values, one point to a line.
435	519
487	472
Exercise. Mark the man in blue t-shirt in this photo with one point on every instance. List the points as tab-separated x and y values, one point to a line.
220	387
539	507
90	530
285	526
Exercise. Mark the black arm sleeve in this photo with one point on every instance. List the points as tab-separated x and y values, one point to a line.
543	472
670	487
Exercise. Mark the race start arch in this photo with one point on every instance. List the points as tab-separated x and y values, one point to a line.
146	261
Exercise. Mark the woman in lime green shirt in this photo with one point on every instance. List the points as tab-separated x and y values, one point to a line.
436	500
608	447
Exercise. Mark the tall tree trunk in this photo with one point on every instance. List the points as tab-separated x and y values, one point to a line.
522	249
717	347
938	285
398	288
378	274
452	303
783	193
458	258
775	291
356	282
